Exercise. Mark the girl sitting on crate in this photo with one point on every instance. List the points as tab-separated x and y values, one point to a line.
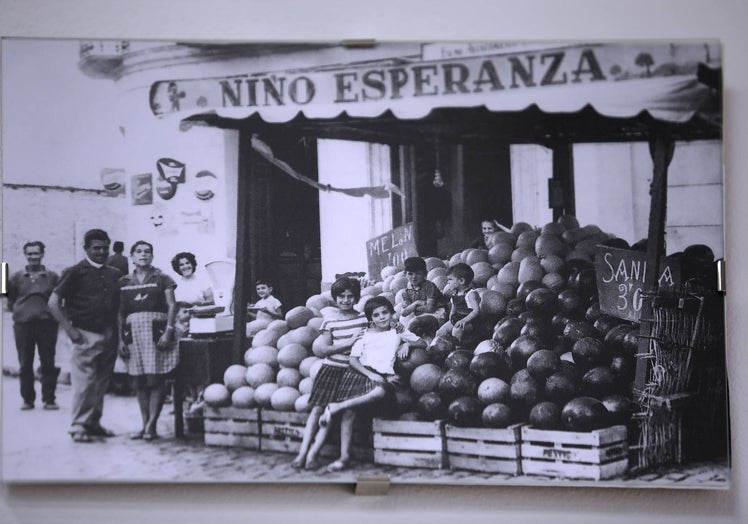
371	373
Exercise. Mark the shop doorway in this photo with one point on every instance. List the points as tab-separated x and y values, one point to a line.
284	223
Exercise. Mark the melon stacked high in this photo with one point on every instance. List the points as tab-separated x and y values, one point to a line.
280	365
541	353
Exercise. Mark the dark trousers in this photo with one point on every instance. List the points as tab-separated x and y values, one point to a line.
40	334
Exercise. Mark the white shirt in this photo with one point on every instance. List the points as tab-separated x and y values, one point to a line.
191	289
378	349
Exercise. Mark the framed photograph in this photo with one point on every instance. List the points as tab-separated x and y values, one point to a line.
467	262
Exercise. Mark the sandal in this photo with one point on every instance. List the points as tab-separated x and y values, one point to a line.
137	435
297	464
150	435
338	465
81	436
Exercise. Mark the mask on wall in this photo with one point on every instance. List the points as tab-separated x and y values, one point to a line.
165	189
161	219
171	170
206	184
113	180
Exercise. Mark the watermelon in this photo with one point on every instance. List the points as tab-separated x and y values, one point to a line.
425	378
441	347
496	415
415	358
524	389
493	390
456	383
458	359
424	325
217	395
465	411
584	414
542	364
431	406
492	305
542	300
599	382
487	365
560	388
571	303
593	312
615	336
521	349
545	415
578	329
620	409
515	306
589	353
526	287
507	330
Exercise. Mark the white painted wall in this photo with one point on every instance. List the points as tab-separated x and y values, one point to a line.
532	166
346	222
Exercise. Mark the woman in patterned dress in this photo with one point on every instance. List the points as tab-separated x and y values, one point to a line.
147	315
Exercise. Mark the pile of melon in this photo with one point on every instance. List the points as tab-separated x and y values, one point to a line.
541	351
280	365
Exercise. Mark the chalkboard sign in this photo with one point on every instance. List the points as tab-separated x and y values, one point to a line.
620	280
390	249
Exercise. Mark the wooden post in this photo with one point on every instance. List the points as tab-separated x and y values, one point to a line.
243	270
661	148
561	185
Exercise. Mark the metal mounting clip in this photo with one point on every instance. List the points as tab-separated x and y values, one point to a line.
721	276
4	278
372	485
359	43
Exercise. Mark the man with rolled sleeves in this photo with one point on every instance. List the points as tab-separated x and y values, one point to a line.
86	303
34	327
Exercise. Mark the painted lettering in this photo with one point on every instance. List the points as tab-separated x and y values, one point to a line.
606	259
227	92
343	86
487	75
252	92
301	90
667	277
422	76
375	80
398	80
549	78
455	76
588	65
273	91
519	70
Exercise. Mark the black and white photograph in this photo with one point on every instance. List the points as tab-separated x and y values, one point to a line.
531	232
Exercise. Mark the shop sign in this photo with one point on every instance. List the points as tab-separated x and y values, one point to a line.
621	274
390	249
454	75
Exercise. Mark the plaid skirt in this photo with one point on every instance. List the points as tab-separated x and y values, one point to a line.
142	331
325	387
354	384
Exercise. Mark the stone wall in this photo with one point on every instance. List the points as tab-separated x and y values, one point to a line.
58	217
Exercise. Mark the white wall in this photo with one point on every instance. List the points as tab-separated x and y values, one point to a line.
532	166
344	220
420	19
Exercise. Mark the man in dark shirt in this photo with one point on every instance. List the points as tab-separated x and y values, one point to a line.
34	326
119	260
89	317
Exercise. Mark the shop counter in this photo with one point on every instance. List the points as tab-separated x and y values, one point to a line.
202	361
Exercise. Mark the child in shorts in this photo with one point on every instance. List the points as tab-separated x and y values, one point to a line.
464	299
268	307
420	296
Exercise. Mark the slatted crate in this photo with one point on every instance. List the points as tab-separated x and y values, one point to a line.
595	455
232	426
488	450
283	431
409	443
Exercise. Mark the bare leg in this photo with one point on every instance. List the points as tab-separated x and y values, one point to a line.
143	394
346	434
312	425
319	441
155	404
336	407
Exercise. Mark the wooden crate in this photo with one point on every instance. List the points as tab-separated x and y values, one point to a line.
231	426
283	431
486	450
595	455
409	443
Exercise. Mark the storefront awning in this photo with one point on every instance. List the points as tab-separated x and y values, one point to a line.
616	80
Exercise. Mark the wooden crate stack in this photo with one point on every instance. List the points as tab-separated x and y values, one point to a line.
232	426
409	443
283	431
486	450
595	455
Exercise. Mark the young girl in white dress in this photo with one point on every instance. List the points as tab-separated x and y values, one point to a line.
371	370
